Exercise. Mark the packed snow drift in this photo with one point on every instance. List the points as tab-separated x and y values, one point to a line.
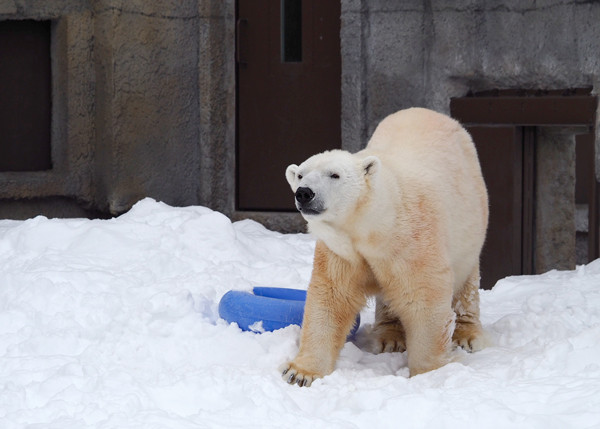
114	324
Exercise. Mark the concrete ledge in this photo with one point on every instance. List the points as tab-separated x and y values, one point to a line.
282	222
51	207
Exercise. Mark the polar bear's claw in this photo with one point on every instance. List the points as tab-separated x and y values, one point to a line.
474	343
292	376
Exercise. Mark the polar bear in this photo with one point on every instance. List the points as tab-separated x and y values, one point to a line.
405	220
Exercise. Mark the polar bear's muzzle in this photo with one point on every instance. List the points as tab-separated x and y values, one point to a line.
307	202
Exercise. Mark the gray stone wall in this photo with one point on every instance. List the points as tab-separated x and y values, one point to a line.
555	199
422	53
144	90
137	110
147	102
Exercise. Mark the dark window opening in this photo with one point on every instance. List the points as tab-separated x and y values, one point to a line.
25	96
291	31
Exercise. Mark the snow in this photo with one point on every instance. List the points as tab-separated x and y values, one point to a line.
114	324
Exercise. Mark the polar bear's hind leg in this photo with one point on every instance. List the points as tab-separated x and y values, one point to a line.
388	332
468	332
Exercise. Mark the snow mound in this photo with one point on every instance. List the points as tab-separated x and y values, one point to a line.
114	324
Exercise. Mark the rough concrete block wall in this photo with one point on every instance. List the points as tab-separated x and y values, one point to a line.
147	102
353	35
126	106
217	103
555	182
424	52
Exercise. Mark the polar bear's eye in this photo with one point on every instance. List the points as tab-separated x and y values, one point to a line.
334	176
299	176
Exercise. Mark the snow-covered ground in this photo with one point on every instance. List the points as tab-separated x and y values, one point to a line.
114	324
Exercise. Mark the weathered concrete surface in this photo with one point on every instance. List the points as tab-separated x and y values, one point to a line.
216	88
147	105
353	35
555	200
8	7
144	90
40	9
421	53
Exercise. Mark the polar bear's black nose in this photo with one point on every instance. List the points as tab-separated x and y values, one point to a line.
304	195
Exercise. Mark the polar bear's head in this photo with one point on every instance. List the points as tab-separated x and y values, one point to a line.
329	185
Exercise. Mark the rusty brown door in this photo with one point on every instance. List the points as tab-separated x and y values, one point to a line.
586	192
506	156
289	93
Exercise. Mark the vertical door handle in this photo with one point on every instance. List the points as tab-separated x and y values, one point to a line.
241	25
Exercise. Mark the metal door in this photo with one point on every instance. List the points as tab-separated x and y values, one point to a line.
587	191
506	157
289	93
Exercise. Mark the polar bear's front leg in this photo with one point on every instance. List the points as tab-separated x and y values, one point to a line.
322	339
423	304
334	297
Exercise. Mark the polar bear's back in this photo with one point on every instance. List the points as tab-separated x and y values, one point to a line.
422	133
428	145
431	153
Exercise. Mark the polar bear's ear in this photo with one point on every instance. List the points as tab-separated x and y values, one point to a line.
370	165
290	174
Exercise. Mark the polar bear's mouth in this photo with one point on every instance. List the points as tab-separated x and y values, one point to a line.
309	211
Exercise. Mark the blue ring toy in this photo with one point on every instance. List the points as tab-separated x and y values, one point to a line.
275	307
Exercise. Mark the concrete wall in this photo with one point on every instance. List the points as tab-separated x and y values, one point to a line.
423	52
144	90
137	110
147	102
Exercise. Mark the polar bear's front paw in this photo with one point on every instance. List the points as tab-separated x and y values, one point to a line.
291	374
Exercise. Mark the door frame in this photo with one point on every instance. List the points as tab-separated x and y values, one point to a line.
574	109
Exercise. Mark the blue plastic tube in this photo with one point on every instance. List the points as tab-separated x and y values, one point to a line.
275	307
